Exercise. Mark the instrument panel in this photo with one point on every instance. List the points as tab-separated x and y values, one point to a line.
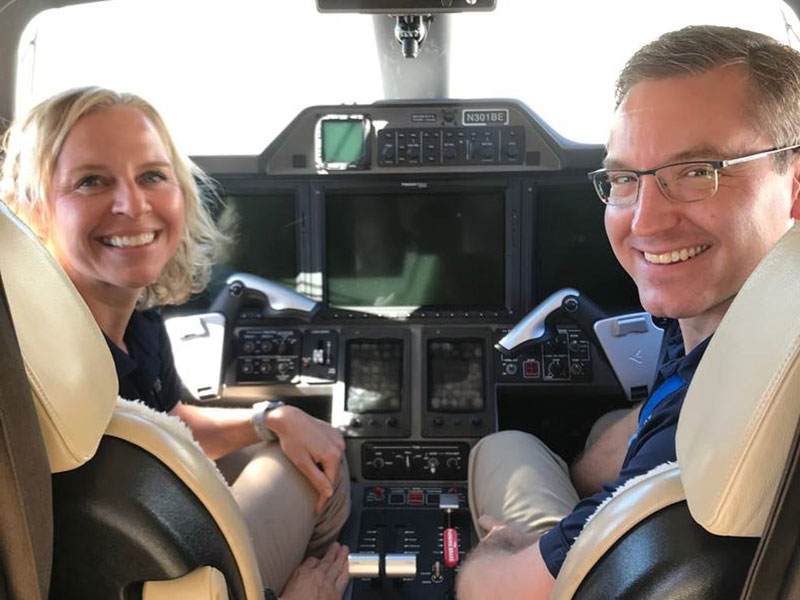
423	231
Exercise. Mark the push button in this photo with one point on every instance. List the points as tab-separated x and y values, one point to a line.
531	369
416	497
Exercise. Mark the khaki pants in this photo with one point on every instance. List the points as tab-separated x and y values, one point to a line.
279	503
514	477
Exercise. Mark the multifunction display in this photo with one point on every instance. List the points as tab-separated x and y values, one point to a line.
374	375
456	375
409	250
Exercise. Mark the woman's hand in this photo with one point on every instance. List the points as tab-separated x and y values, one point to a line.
320	579
313	446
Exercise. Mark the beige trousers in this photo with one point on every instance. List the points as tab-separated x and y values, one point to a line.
514	477
279	504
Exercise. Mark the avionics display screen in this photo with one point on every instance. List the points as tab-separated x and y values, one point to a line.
342	140
374	375
455	375
416	249
572	249
264	229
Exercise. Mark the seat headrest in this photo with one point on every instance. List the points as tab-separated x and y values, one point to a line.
743	404
69	366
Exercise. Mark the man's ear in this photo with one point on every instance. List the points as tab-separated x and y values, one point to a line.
795	210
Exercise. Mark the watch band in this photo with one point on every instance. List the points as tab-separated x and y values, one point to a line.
270	595
260	410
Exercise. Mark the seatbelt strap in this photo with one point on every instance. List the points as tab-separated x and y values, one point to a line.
26	507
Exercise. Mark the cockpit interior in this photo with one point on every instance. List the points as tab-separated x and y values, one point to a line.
420	271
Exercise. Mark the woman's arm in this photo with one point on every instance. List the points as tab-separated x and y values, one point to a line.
219	431
313	446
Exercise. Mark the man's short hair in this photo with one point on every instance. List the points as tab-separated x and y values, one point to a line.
772	68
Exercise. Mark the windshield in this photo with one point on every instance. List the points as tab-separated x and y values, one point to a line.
229	76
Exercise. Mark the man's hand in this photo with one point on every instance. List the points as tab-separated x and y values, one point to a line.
505	536
506	564
313	446
320	579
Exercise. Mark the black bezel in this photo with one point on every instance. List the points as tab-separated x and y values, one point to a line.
464	423
512	202
375	424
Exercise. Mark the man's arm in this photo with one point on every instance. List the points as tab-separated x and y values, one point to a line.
602	461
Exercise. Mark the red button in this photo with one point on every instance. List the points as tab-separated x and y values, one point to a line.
531	369
378	493
416	497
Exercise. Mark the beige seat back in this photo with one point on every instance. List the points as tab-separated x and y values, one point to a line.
74	387
69	368
735	428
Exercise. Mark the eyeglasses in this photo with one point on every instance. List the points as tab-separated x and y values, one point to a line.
687	181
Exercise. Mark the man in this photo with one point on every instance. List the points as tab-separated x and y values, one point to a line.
701	179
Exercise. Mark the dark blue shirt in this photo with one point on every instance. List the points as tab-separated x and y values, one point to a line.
654	445
147	371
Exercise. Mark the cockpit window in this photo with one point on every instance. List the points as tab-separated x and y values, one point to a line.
228	76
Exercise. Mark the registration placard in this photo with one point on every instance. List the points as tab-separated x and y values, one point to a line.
484	116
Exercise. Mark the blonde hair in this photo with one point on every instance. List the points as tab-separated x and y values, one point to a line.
31	148
772	69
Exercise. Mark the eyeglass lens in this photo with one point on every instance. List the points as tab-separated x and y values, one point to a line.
683	183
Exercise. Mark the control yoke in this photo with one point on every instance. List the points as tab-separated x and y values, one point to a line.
279	300
631	343
536	326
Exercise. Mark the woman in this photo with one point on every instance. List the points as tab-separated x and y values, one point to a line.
97	176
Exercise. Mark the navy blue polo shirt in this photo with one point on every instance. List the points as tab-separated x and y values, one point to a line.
147	371
653	445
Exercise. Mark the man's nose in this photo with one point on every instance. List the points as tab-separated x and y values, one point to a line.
130	199
654	212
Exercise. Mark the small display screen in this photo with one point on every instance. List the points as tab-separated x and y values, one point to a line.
342	141
263	229
416	249
572	249
455	375
374	376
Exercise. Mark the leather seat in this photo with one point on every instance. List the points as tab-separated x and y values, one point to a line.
138	509
689	530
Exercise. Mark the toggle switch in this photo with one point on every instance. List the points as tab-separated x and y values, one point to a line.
436	573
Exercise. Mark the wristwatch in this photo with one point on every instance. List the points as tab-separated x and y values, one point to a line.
270	595
260	410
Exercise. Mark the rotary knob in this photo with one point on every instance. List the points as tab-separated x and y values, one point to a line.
388	153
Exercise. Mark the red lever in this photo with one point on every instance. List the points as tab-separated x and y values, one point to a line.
450	547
